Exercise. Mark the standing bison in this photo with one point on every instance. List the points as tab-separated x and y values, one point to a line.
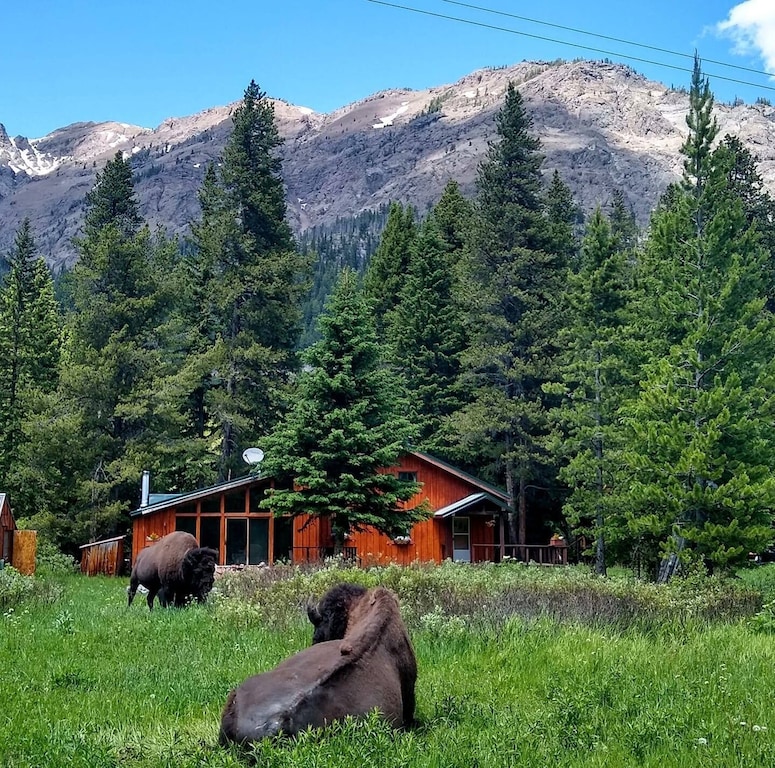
176	568
361	660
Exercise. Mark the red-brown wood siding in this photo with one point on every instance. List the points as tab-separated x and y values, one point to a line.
431	540
147	528
7	527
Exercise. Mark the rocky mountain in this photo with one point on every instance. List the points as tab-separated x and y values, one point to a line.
602	126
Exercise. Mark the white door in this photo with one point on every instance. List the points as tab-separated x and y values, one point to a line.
461	539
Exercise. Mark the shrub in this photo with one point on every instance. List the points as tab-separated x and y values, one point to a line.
15	589
489	593
49	561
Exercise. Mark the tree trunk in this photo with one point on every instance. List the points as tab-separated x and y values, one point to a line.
512	514
600	569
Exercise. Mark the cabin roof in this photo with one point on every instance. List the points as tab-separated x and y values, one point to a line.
161	501
469	503
173	499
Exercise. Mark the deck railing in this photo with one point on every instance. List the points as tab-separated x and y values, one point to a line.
317	554
543	554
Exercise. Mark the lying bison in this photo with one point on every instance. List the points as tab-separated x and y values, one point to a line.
361	659
176	568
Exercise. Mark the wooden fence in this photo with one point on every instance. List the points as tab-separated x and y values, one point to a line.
104	557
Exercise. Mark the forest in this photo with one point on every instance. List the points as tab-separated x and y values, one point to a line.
618	383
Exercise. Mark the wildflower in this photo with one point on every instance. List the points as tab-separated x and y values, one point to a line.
758	728
702	741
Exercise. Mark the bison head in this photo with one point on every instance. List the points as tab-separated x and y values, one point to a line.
198	570
330	615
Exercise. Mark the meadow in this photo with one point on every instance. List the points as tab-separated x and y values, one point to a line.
518	666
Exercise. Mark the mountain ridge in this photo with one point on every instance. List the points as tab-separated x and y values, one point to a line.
601	125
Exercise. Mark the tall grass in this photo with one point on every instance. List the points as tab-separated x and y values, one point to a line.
516	669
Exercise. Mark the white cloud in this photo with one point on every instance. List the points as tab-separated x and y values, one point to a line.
751	25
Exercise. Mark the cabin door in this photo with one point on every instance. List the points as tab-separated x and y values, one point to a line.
461	539
247	540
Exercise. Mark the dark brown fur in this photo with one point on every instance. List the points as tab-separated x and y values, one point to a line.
176	569
371	667
331	615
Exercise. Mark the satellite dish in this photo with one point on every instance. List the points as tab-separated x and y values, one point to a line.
252	455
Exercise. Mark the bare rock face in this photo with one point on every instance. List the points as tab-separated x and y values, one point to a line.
602	126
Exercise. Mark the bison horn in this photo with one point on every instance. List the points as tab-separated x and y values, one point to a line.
312	612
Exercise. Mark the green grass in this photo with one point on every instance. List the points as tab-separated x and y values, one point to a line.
86	682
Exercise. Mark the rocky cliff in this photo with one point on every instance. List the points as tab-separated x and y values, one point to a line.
601	125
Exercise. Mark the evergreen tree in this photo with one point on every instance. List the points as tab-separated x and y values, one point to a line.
564	217
244	315
112	200
514	281
107	400
452	217
624	227
387	269
425	331
758	204
30	337
595	380
700	448
344	429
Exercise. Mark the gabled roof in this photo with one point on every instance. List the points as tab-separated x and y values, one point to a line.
160	501
173	500
468	503
492	490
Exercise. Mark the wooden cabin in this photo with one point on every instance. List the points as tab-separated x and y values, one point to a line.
7	527
467	523
18	548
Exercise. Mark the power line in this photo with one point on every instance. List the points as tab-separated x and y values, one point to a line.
608	37
481	24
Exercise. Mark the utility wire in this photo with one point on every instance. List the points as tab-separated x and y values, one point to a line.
608	37
565	42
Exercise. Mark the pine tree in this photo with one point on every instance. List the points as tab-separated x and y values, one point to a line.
107	400
596	382
112	200
564	216
700	449
345	427
387	269
424	331
622	220
30	338
758	204
514	280
245	313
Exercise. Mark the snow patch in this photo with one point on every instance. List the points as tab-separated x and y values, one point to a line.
29	160
306	110
469	94
384	122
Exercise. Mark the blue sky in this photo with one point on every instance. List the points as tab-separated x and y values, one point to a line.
63	61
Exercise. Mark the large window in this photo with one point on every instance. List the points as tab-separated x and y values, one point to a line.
185	523
210	532
235	503
247	540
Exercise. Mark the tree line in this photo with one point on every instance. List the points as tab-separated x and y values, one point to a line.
617	383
